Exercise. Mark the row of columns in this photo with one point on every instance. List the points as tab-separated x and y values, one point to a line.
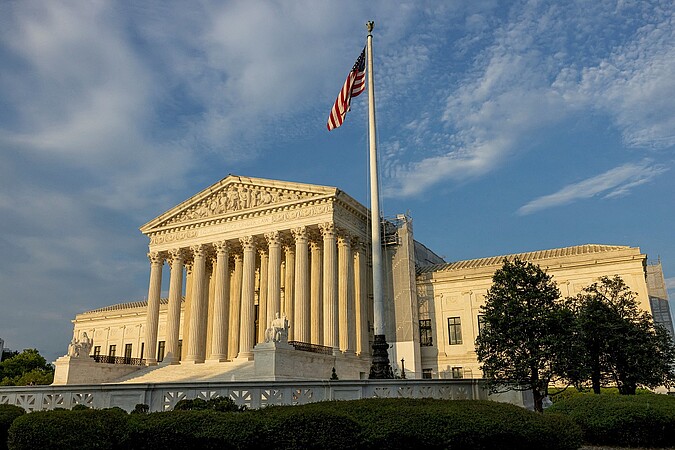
324	294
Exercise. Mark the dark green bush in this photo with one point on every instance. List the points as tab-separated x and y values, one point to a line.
428	423
141	408
55	430
7	415
646	420
222	404
363	424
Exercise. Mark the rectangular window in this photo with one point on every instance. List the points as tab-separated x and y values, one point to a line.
425	333
481	319
457	372
112	350
127	352
160	351
455	330
426	373
142	350
97	350
180	349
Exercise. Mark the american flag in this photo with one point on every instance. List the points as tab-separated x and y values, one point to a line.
354	85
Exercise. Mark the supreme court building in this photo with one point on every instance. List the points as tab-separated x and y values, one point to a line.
245	251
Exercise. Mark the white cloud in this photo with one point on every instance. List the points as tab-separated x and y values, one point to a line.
613	183
546	64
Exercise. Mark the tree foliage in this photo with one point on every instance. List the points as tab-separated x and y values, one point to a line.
524	319
621	343
27	367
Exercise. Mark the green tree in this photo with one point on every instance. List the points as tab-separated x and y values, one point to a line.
522	338
620	343
25	368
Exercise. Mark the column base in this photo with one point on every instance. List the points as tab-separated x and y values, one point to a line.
244	356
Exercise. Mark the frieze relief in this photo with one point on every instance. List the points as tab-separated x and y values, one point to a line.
173	237
237	197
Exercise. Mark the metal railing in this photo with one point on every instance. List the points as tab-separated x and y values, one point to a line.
314	348
105	359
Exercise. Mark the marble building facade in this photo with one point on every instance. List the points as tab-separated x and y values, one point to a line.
246	249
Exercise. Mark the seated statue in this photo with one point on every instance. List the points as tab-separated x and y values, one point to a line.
80	348
278	331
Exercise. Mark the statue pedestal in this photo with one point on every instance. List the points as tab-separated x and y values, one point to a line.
84	370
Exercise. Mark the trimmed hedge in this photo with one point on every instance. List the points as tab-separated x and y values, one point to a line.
471	424
63	429
362	424
8	413
646	420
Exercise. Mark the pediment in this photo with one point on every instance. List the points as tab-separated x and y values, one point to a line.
237	195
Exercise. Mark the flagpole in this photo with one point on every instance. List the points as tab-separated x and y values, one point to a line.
380	367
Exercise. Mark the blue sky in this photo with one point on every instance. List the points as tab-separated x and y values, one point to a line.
503	127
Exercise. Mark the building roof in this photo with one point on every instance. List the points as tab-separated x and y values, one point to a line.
529	256
128	305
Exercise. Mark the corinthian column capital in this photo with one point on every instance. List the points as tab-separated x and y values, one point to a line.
299	233
247	242
222	247
327	229
198	250
273	238
156	258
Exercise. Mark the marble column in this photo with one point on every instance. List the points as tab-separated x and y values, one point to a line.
187	305
316	304
289	291
344	291
196	341
330	300
273	277
221	302
152	316
176	259
263	313
360	300
247	331
235	308
301	319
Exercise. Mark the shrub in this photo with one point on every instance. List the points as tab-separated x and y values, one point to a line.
7	415
222	404
428	423
141	408
75	429
646	420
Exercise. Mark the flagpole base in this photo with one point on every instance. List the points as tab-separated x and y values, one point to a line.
380	368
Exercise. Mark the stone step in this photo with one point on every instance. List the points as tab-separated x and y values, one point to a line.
185	372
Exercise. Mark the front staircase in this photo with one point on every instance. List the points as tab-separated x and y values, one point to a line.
209	371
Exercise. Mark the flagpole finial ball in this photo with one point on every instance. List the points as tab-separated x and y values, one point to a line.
369	26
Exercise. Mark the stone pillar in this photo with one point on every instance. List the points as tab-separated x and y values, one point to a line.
263	314
247	332
152	316
221	302
330	303
173	312
301	319
235	308
360	300
289	291
197	334
316	305
344	291
273	278
187	305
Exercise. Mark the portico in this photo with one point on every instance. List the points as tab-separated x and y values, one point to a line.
246	249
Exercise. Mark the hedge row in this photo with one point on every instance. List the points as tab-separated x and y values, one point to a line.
645	420
7	415
363	424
